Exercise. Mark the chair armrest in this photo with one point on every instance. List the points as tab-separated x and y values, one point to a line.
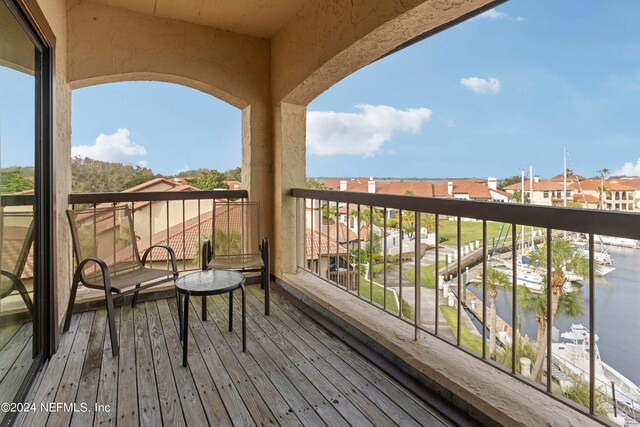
206	253
106	279
172	256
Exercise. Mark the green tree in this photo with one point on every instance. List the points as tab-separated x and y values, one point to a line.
508	181
233	174
564	257
579	393
95	176
13	180
602	190
517	197
226	243
315	184
209	180
495	279
366	216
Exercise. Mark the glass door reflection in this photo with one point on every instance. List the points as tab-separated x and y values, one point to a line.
19	83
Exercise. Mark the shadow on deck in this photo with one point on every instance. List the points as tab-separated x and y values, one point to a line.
294	372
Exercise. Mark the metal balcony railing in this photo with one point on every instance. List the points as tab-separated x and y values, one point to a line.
388	233
180	219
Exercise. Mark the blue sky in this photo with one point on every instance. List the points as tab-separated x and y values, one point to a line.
486	98
569	75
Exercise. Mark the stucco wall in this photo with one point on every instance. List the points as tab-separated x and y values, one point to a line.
110	44
56	14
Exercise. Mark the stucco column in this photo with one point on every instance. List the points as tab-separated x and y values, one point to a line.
257	164
290	171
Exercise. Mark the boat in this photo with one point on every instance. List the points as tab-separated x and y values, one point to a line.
531	280
617	241
571	356
602	258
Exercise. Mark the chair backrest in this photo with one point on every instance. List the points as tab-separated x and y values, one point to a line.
235	228
105	233
17	234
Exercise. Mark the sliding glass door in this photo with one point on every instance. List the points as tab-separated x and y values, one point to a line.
22	214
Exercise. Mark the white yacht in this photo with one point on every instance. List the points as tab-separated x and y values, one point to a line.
617	241
571	356
528	278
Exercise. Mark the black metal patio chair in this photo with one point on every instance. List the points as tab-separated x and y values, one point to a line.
106	251
235	243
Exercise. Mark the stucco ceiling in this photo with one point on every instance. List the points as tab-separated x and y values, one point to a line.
258	18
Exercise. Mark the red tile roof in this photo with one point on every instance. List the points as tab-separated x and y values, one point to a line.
317	243
184	240
334	183
570	178
345	235
609	184
585	198
631	182
541	185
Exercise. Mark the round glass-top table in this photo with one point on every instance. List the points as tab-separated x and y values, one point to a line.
205	283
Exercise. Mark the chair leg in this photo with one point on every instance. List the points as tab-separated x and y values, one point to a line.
230	311
244	319
135	297
72	300
204	308
179	302
266	286
115	350
185	330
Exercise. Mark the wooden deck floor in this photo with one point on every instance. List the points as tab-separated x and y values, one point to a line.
293	373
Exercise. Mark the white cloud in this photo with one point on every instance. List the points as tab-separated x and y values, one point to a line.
117	147
493	14
143	163
362	133
478	85
451	124
629	169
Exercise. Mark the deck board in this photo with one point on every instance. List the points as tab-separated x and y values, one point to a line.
108	385
328	345
349	381
293	373
90	376
54	369
231	347
170	408
148	402
68	386
127	411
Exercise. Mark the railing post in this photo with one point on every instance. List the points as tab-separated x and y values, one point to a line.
592	334
459	274
514	296
484	289
437	273
418	277
298	232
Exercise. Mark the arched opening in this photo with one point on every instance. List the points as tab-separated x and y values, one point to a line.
151	130
151	144
506	107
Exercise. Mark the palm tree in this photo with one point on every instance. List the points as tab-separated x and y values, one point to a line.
602	172
564	257
495	279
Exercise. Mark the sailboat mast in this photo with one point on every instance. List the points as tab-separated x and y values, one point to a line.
564	175
522	226
531	198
